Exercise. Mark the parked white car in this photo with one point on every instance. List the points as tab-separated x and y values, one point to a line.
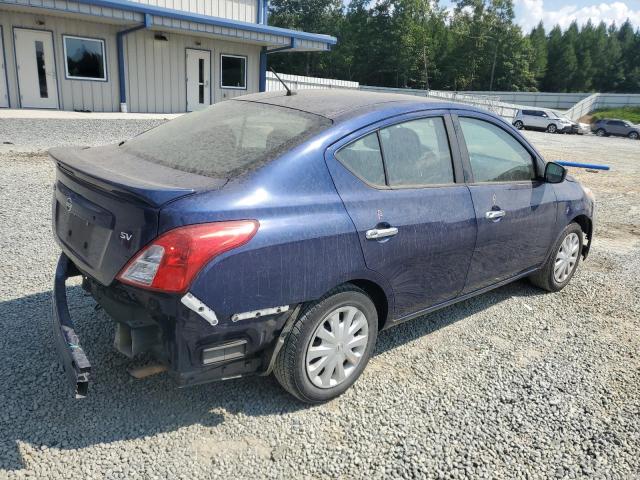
547	120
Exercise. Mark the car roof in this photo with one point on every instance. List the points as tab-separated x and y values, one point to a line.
338	104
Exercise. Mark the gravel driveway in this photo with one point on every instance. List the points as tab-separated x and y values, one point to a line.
512	384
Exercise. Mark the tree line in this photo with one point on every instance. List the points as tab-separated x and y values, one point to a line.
475	46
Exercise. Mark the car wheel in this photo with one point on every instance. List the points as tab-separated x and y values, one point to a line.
600	132
633	135
552	128
329	345
563	261
519	125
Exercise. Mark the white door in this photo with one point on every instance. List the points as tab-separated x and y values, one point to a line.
198	79
4	94
36	68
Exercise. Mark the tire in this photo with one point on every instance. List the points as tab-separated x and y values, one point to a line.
600	132
547	277
552	128
633	135
519	125
292	369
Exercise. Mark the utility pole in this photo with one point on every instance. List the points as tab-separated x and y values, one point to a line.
493	67
426	70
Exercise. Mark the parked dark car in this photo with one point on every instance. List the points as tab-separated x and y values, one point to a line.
620	128
275	233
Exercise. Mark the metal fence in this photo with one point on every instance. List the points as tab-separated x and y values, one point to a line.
505	104
564	101
487	102
298	82
557	101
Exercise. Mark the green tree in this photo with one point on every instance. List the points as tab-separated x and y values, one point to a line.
478	46
538	63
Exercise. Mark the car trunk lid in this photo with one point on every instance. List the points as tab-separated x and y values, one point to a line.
106	204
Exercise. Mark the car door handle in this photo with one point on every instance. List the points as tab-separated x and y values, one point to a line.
378	233
495	214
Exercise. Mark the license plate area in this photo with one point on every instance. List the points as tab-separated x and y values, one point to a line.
82	226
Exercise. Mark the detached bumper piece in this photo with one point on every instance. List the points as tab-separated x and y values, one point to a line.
72	357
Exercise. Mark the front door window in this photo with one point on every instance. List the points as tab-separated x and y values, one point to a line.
495	156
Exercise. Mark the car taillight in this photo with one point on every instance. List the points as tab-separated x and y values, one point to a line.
173	259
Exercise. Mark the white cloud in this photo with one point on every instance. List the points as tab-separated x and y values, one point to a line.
532	11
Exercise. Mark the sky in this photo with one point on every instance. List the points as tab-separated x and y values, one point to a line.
563	12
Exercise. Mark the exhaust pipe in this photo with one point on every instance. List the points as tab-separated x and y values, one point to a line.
133	341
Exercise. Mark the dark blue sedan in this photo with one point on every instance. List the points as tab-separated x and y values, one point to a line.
280	233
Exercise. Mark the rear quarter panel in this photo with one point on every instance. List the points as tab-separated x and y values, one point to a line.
305	246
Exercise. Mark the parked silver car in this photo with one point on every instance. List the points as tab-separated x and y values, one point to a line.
546	120
621	128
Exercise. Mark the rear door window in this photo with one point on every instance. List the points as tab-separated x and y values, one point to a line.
417	153
364	159
495	156
226	139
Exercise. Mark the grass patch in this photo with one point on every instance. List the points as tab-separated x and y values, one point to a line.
632	114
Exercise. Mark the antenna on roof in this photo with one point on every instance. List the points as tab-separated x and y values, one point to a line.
286	87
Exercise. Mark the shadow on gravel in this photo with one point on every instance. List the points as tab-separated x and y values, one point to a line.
37	411
421	326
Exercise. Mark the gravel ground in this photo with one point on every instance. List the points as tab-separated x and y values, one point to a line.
27	135
512	384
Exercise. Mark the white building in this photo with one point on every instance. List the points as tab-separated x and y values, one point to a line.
160	56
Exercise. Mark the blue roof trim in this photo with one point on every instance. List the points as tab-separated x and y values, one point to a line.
217	21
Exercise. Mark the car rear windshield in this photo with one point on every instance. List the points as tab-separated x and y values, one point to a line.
227	139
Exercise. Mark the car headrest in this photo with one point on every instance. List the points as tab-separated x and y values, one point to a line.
371	141
405	145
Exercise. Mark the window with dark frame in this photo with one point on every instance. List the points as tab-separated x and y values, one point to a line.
233	72
201	80
495	155
417	154
414	153
85	58
42	74
364	159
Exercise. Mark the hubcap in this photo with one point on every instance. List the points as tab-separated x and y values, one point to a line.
566	258
337	347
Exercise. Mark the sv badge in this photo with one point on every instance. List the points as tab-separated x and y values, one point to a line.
125	238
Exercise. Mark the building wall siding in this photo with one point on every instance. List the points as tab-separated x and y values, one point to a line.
73	94
155	73
244	10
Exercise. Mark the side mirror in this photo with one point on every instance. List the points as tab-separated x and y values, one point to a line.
554	173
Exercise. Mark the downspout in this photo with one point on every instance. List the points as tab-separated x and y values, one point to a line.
263	8
260	12
263	62
262	87
121	64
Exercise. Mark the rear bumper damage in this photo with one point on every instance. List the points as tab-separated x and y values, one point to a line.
193	349
72	356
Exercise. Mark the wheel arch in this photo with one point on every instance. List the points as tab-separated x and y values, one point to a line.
379	298
586	225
